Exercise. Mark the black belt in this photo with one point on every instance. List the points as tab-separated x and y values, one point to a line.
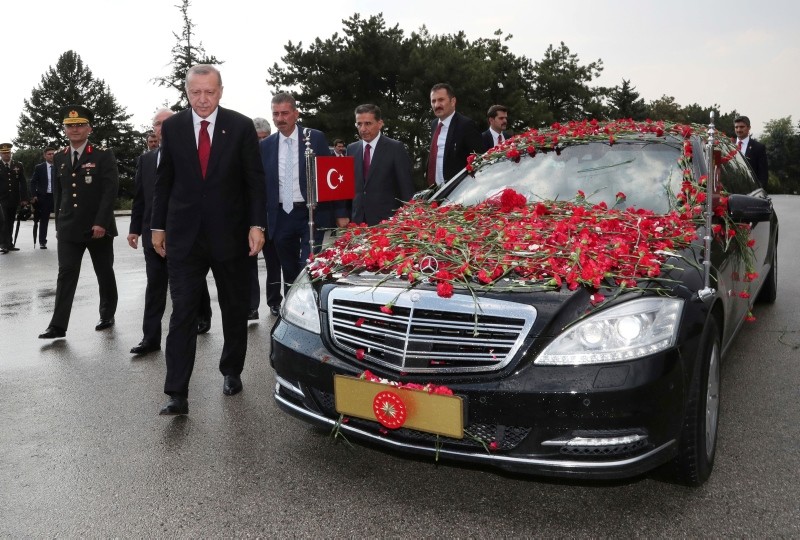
295	205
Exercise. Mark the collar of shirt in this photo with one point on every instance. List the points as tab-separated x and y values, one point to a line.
372	144
80	150
293	136
211	119
446	121
744	142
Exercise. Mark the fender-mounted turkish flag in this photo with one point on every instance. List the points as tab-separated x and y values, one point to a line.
335	178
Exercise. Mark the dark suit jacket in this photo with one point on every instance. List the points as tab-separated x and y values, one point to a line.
85	196
325	213
463	139
388	184
222	206
39	180
13	187
756	154
144	186
488	138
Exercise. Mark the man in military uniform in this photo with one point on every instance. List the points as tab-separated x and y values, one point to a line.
13	191
85	188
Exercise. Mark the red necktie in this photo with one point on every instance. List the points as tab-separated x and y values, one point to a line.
204	147
739	145
432	156
365	167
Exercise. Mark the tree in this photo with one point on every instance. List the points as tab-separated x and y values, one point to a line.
185	54
624	102
561	83
783	154
71	82
665	108
370	62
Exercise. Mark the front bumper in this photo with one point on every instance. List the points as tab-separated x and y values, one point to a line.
612	421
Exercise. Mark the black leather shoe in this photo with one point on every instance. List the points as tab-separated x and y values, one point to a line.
13	248
175	405
275	310
102	324
53	332
203	326
144	348
42	246
253	315
232	385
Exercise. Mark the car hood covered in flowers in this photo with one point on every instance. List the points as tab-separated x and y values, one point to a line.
606	208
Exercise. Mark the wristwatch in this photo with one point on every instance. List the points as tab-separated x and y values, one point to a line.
262	229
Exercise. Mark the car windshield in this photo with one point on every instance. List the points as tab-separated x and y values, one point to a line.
647	172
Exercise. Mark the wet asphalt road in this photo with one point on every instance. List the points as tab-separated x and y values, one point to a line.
83	452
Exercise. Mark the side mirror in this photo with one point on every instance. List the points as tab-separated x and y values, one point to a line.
747	209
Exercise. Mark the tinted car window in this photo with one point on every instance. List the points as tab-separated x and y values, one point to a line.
644	171
737	177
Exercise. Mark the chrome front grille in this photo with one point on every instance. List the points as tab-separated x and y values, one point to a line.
426	333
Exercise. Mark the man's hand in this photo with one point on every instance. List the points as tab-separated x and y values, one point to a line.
256	240
98	231
133	241
342	221
160	242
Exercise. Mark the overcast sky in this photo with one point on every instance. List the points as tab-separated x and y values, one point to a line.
742	54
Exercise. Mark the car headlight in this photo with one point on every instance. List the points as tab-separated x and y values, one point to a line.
300	306
624	332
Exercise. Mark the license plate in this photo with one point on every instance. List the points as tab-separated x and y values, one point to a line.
398	407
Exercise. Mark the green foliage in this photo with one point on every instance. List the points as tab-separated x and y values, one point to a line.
624	102
373	63
783	154
562	84
185	54
72	82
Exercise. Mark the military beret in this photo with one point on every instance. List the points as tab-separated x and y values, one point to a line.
76	114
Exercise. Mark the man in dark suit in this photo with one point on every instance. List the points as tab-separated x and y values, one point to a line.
453	137
86	185
498	121
273	266
155	296
209	212
42	194
13	192
283	156
339	149
754	151
382	169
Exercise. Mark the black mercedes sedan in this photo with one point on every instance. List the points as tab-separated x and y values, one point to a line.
559	308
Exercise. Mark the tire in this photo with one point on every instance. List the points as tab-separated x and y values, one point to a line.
698	440
769	290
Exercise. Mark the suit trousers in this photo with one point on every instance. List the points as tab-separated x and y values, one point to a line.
70	255
45	207
8	212
155	297
273	281
187	279
291	242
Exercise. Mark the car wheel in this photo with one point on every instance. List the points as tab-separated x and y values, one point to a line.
698	439
769	290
